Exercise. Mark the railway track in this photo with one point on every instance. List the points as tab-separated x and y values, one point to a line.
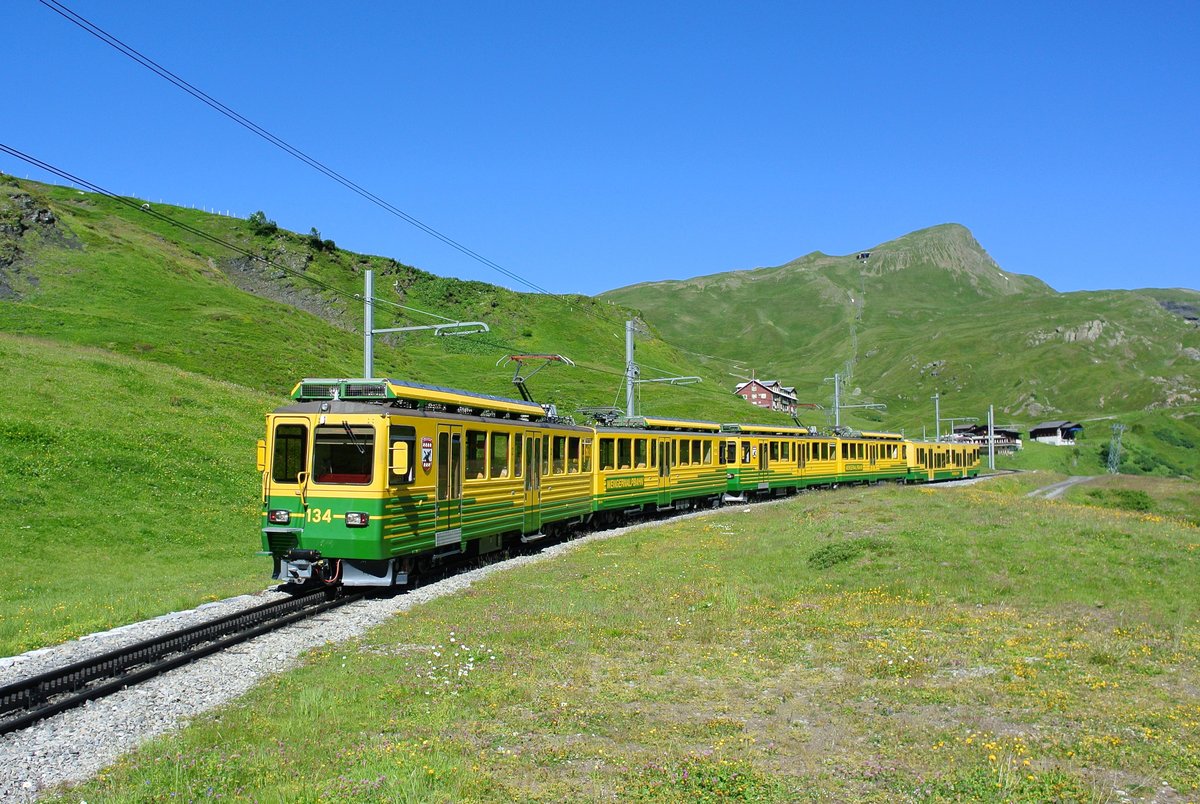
25	702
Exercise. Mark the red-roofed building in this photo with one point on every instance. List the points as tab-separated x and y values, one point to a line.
770	394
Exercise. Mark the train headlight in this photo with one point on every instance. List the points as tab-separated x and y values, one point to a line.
356	519
279	516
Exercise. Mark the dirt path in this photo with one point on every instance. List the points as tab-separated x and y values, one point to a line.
1056	490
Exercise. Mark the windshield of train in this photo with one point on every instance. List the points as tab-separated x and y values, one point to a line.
343	453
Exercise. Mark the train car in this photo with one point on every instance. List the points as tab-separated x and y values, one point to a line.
368	482
656	464
870	457
763	459
932	461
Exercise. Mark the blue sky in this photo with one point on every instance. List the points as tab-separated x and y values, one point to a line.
590	146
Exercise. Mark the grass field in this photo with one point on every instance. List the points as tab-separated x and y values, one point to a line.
128	490
867	645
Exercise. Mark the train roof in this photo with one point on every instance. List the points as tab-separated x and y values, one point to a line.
764	429
660	423
883	436
419	394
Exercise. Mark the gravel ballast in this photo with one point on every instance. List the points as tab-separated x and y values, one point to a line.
75	745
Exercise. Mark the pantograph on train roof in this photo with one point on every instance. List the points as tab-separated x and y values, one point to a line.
400	393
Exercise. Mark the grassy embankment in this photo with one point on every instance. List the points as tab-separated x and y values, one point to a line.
138	371
128	490
867	644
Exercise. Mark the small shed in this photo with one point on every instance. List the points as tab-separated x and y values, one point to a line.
1060	434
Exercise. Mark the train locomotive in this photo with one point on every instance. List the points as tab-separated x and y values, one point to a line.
373	482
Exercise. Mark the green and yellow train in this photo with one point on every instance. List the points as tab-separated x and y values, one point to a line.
373	482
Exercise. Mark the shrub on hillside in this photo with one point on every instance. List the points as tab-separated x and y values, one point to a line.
261	224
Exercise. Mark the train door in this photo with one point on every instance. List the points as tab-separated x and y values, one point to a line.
288	472
664	470
533	482
448	505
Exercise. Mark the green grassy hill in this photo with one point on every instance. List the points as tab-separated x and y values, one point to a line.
87	270
932	313
128	489
140	359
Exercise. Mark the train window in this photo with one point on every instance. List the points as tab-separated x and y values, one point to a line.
785	451
573	455
397	434
639	453
671	448
587	454
476	454
607	455
845	450
343	453
291	448
624	453
653	452
745	452
498	465
707	447
722	457
696	451
545	455
518	455
685	453
558	464
774	450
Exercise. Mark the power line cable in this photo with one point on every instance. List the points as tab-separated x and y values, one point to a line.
146	209
112	41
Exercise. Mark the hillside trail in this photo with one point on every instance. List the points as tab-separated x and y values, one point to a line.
1055	490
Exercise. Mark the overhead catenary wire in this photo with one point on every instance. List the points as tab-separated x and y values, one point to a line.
81	182
208	100
84	183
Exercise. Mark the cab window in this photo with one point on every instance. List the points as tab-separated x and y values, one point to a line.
587	455
343	453
407	435
291	448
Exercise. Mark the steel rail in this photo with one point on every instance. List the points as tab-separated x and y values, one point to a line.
24	702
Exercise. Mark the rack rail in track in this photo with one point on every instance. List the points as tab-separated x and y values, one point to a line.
29	700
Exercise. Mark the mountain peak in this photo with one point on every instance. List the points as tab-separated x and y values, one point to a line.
947	251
